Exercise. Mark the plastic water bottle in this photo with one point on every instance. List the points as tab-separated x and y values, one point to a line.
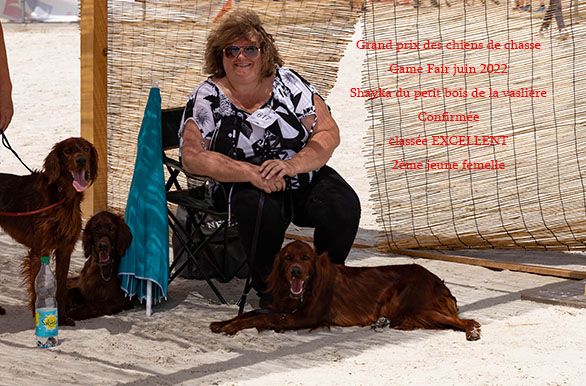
46	319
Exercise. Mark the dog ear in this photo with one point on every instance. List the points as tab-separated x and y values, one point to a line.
322	260
323	276
52	165
124	237
322	265
274	278
87	240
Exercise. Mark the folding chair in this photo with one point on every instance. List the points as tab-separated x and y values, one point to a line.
194	244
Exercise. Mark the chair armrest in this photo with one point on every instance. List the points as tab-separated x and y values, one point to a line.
175	168
173	164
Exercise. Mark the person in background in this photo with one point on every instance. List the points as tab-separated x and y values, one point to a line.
554	9
6	107
265	134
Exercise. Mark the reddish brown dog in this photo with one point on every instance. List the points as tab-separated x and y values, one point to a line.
70	167
96	291
308	292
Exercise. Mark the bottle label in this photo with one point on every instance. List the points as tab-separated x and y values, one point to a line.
46	322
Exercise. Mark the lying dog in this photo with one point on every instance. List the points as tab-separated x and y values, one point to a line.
308	292
96	291
42	211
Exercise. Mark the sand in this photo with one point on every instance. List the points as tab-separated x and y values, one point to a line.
522	342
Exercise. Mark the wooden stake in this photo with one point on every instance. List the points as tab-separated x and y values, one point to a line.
94	38
486	263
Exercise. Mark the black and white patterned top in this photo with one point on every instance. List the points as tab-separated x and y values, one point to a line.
237	134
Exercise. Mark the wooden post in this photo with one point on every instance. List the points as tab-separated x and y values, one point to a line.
94	94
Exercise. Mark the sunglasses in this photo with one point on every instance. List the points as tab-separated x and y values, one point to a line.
251	52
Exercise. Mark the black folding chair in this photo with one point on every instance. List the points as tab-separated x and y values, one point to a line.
189	191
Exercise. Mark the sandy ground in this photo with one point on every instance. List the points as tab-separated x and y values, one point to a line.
523	343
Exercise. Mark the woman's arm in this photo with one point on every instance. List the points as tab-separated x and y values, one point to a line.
199	161
318	150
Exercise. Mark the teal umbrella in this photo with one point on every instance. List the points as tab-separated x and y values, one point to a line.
144	269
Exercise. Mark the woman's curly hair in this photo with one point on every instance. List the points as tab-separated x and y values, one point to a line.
236	25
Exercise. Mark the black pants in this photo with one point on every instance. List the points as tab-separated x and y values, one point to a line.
328	204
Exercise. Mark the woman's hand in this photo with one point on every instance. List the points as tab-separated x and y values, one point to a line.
6	109
268	185
277	169
274	185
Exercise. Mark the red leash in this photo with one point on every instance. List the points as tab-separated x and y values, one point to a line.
15	214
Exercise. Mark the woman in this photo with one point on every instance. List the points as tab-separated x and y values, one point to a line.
265	134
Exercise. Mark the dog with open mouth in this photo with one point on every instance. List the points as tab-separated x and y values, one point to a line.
42	211
96	291
309	291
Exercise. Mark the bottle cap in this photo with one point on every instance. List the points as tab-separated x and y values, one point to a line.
44	259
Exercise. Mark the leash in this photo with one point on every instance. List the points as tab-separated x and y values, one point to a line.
7	145
22	214
248	285
33	212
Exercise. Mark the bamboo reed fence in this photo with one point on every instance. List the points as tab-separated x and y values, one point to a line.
538	198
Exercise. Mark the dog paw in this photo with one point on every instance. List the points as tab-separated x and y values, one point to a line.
473	332
230	329
380	324
217	327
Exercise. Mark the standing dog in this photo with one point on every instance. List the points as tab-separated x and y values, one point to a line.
96	291
308	292
42	211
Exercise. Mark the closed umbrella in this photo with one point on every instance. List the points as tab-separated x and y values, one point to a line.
144	269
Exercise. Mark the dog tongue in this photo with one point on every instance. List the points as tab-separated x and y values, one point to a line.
79	182
104	257
296	286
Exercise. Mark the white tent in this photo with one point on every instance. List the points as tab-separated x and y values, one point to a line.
40	10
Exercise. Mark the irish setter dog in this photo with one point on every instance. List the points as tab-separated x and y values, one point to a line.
309	292
96	291
42	211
